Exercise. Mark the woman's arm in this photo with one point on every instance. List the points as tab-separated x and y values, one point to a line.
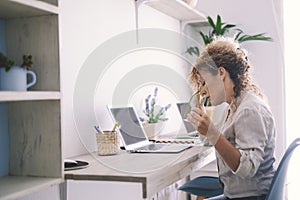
201	121
229	153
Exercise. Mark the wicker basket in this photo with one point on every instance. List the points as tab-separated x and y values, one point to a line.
108	143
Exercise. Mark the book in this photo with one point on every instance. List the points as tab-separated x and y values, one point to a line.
180	140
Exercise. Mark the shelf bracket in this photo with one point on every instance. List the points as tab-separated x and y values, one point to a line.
183	24
137	4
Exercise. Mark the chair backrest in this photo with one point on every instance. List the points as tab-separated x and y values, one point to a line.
278	183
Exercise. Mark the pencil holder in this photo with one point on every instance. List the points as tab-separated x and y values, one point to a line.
108	143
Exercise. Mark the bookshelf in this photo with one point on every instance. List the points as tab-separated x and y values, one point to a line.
33	117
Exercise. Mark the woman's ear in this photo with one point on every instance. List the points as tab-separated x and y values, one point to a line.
222	73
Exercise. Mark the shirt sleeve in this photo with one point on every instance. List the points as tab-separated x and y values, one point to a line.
250	137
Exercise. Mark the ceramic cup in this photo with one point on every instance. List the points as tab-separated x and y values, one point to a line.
16	79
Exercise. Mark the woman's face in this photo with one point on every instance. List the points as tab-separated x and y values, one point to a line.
214	90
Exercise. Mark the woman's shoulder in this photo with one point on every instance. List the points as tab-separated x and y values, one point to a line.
253	102
251	98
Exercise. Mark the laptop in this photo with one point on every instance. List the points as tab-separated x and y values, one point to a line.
185	108
133	135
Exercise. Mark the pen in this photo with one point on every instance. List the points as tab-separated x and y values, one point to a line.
97	128
115	126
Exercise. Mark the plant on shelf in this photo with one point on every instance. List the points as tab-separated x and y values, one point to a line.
220	28
7	63
154	113
27	62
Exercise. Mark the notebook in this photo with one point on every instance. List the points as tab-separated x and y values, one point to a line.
133	135
185	108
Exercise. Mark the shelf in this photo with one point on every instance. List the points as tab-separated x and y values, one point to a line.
25	8
28	96
177	9
13	187
196	24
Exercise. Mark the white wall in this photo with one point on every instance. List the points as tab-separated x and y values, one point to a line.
85	29
267	57
291	15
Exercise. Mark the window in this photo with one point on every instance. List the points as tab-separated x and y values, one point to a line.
292	75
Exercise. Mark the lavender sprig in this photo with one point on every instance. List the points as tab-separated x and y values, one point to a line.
167	107
155	92
149	111
147	103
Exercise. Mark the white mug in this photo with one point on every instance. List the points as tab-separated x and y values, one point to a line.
217	114
16	79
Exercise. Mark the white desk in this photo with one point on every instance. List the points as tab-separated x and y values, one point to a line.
152	172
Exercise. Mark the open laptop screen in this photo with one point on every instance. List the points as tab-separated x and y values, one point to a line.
185	108
130	128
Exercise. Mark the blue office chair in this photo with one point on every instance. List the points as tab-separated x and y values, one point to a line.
278	182
207	186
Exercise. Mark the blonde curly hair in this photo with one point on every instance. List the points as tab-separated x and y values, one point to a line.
226	53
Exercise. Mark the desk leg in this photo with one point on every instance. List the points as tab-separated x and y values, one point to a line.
188	195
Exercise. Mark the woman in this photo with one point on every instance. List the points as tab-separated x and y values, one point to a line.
245	144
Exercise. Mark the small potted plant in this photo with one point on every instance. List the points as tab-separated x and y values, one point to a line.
219	28
13	77
154	115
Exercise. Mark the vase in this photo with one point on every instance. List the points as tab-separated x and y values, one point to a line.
16	79
153	129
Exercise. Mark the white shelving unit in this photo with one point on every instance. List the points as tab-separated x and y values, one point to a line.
196	24
177	9
34	125
28	96
25	8
13	187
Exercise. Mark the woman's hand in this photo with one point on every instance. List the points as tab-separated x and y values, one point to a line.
199	119
203	124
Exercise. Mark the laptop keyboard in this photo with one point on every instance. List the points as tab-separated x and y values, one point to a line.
153	146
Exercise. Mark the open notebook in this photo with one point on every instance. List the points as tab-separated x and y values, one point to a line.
133	135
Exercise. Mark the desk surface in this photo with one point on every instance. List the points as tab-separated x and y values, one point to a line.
153	171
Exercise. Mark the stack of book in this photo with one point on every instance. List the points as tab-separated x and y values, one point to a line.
180	140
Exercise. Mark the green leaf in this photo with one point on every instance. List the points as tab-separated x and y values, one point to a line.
218	27
6	62
211	22
193	51
229	26
245	37
226	28
238	35
206	38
